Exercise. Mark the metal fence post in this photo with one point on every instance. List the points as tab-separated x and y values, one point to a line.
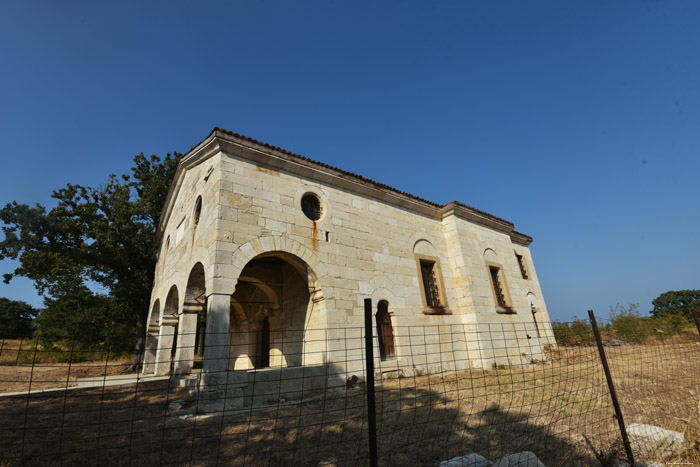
371	405
696	318
611	387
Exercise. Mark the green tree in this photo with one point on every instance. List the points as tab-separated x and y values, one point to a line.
95	237
16	318
676	302
82	319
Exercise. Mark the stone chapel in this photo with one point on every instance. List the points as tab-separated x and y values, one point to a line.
266	258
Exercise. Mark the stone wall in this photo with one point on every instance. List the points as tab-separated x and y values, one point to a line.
366	245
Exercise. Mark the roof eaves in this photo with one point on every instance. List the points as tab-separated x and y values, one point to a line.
306	160
276	150
521	238
482	213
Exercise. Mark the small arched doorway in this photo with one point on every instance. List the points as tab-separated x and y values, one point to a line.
385	331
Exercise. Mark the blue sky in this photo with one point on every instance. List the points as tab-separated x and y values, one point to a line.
577	121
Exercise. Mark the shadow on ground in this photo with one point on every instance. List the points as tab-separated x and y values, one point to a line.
130	425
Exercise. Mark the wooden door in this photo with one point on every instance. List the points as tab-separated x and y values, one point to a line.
263	357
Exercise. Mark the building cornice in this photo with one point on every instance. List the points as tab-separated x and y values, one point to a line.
220	140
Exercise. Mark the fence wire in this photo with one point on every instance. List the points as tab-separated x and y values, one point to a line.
441	392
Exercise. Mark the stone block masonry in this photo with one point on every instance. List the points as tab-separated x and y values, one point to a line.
265	255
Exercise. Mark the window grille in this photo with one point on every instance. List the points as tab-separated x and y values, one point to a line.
497	287
311	206
521	263
432	295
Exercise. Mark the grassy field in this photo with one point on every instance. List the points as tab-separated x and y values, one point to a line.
25	365
560	409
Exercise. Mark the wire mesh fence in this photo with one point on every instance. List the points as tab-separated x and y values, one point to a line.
294	397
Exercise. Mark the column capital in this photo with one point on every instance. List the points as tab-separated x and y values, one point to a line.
169	320
192	307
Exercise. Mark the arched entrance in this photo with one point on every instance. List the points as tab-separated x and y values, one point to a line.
190	336
167	333
272	310
152	339
385	331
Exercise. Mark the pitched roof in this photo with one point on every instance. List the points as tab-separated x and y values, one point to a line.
350	175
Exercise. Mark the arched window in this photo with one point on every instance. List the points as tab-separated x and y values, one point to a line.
385	331
197	210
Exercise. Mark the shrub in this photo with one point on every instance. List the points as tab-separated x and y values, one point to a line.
577	332
670	324
625	323
628	325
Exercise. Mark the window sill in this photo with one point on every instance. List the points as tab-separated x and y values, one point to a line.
505	311
436	310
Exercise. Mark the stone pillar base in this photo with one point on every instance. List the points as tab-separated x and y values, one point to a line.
213	401
220	391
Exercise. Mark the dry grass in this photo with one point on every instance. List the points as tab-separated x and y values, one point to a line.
25	365
560	410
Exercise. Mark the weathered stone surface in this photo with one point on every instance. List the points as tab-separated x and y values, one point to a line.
310	276
470	460
520	459
213	401
647	440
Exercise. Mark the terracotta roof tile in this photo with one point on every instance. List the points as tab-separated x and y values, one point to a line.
354	175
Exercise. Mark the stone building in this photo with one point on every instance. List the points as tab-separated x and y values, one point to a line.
266	258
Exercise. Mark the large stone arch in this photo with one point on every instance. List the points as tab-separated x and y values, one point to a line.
219	345
271	245
311	331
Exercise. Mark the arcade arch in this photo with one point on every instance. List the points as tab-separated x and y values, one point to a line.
191	323
274	310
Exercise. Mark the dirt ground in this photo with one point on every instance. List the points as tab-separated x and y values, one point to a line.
560	409
26	366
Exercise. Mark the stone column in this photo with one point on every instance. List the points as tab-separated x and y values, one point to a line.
165	344
149	358
219	389
216	349
186	336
